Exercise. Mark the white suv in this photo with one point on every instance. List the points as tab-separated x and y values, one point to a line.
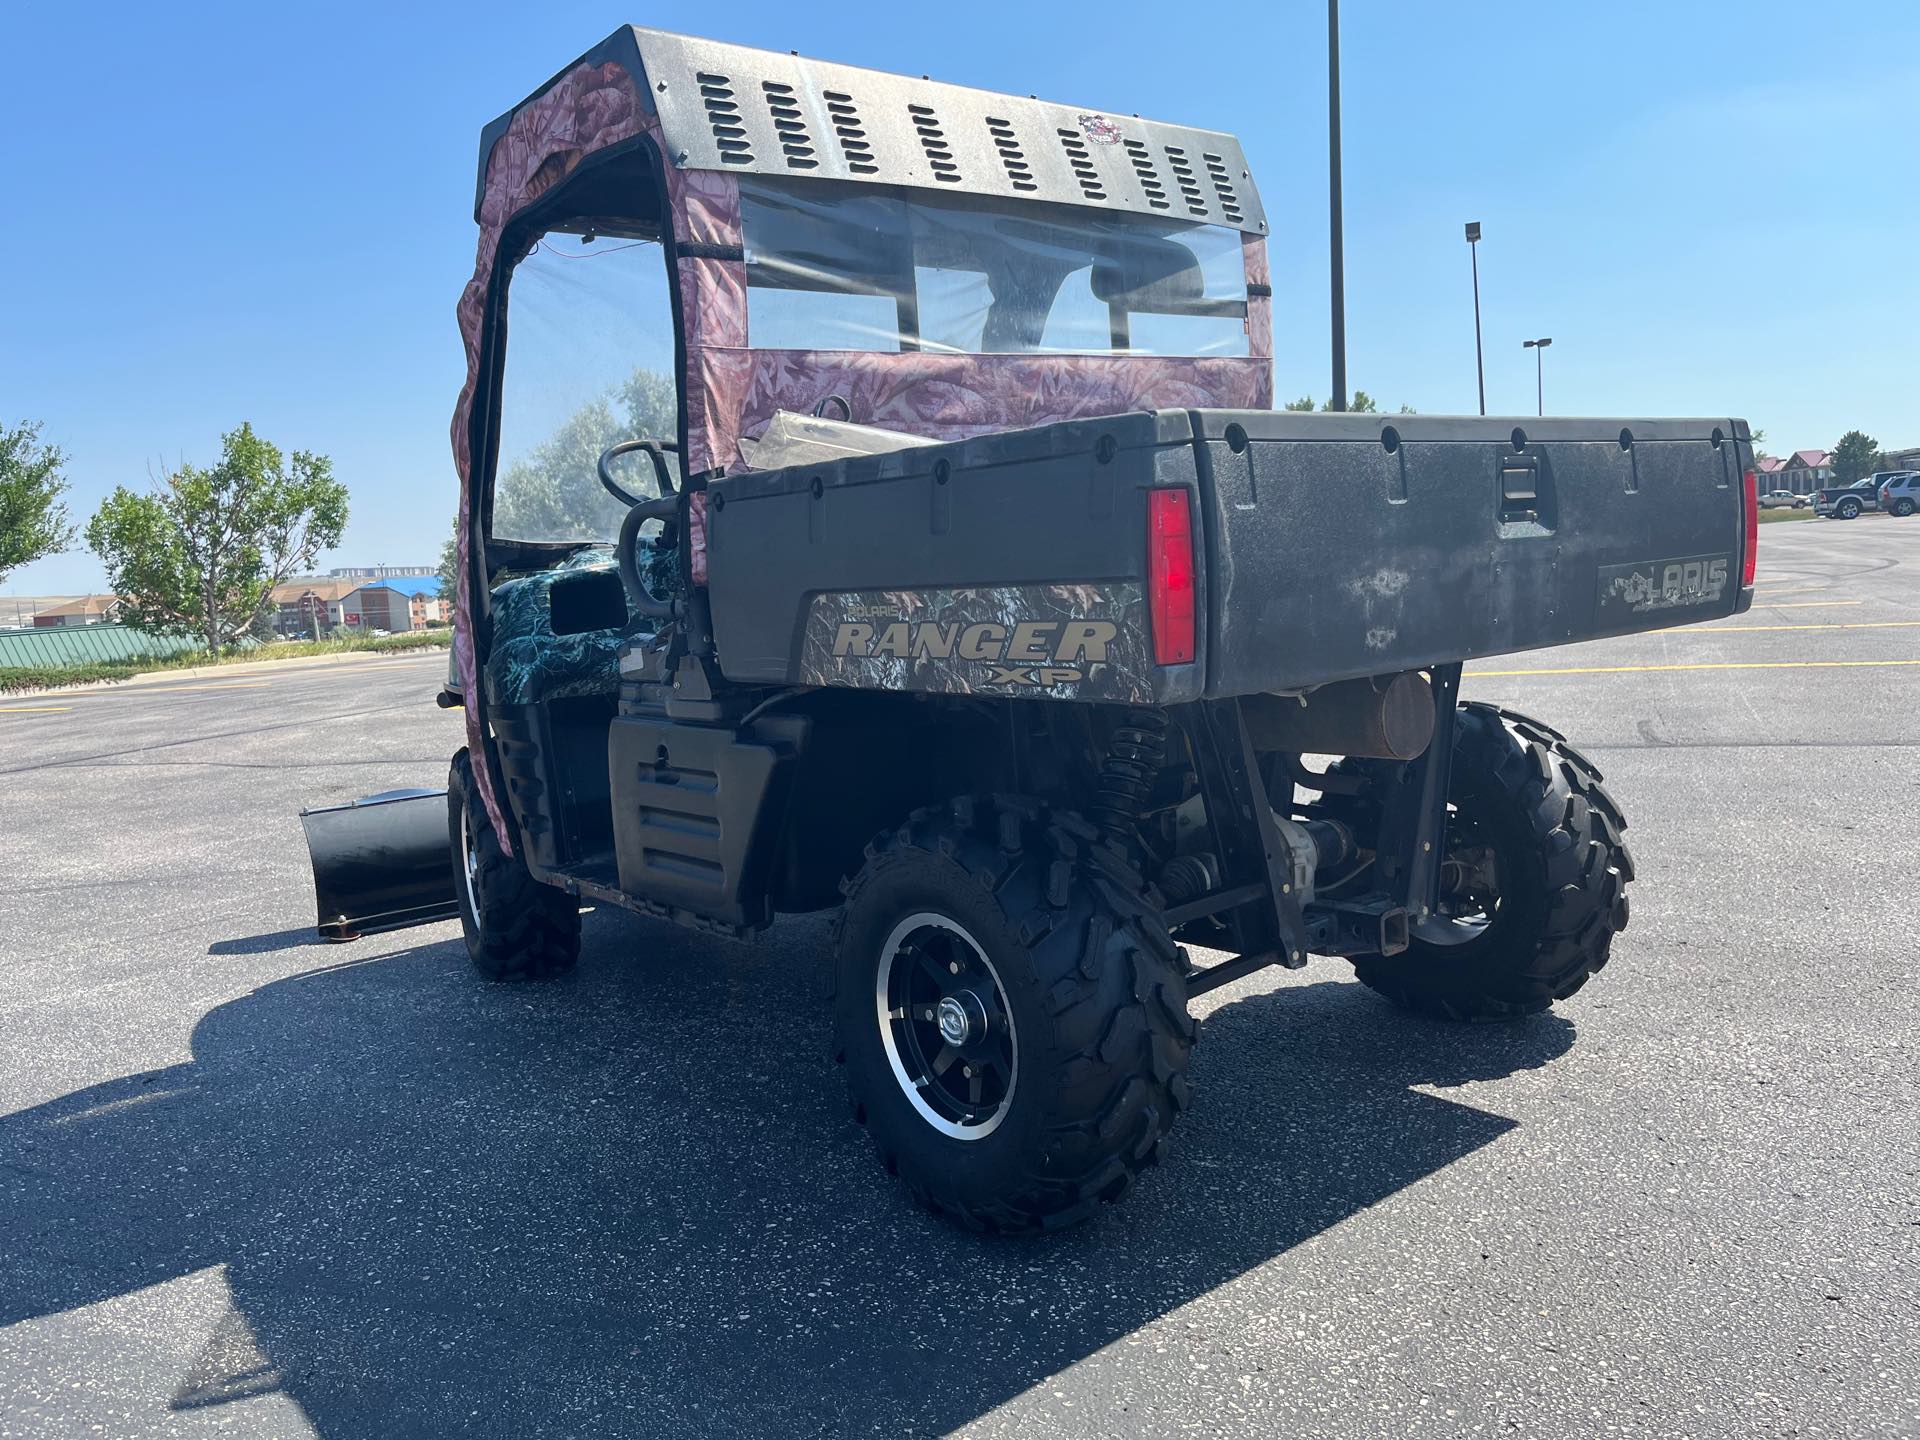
1900	495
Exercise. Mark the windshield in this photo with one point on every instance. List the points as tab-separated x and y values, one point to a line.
589	363
858	267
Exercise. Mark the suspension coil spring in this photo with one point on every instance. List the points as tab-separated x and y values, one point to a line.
1136	752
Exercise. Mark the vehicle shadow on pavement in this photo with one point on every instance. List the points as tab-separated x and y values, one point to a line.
632	1202
265	944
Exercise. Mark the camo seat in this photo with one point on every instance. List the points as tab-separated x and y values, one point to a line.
532	660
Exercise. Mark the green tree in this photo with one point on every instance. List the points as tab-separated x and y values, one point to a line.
1363	404
450	564
1853	457
202	551
1759	439
553	492
33	517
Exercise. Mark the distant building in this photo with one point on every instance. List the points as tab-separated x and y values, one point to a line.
305	609
380	572
87	610
1802	472
309	609
423	596
1903	459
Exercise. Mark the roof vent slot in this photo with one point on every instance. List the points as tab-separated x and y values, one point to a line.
723	114
933	140
789	125
1081	159
1019	172
1223	187
1188	182
1150	185
853	135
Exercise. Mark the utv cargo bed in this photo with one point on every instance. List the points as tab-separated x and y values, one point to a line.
1327	547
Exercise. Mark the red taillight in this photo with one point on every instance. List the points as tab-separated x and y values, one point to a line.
1752	556
1170	584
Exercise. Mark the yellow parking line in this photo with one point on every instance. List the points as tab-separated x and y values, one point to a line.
1807	604
34	709
1830	625
1704	665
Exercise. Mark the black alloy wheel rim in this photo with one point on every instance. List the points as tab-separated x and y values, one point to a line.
946	1026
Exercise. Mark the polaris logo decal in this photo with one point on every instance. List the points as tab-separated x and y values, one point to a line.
1655	585
1026	652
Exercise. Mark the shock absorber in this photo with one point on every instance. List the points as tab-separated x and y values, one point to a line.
1136	751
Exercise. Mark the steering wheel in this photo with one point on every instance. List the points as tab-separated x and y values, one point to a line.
664	508
656	452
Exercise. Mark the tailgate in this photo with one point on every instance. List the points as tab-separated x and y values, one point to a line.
1346	545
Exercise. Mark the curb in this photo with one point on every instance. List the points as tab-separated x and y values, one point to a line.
244	667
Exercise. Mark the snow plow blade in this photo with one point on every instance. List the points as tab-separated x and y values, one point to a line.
382	862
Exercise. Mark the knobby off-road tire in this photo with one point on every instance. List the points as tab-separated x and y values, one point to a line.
1562	871
1057	935
516	928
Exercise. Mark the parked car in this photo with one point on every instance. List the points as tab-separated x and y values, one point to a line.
1774	499
1845	502
1900	495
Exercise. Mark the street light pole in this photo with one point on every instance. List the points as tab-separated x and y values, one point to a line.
1339	268
1539	383
1479	360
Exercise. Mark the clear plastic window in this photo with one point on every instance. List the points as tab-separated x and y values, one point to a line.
856	267
589	363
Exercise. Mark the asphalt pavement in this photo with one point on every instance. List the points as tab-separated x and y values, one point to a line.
252	1184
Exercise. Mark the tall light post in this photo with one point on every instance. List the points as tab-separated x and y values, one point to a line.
1339	268
1539	383
1479	360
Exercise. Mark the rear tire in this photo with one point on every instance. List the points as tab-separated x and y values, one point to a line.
516	927
1903	508
1848	510
1028	920
1561	872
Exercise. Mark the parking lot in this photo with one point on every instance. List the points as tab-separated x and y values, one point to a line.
253	1184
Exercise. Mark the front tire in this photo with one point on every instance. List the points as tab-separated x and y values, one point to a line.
516	927
1544	872
1011	1013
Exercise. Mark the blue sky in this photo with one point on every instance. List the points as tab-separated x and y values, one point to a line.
227	212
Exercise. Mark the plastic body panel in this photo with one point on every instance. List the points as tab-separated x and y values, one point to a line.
694	811
551	759
1327	547
1349	545
963	539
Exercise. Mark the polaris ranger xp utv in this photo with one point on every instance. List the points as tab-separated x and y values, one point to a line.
964	579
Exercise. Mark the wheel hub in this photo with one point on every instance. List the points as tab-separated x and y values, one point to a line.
961	1018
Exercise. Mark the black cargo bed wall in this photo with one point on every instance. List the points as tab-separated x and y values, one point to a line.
1347	545
1045	524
